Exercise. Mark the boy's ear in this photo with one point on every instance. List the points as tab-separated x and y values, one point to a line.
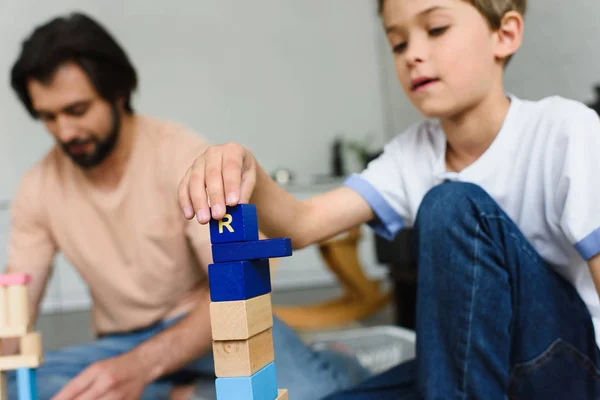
509	35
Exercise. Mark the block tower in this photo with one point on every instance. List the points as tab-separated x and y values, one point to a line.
240	309
15	318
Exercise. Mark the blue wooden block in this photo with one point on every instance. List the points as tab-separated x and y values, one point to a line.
240	224
262	385
239	280
26	384
254	250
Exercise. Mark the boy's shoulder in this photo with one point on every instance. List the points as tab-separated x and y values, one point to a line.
557	111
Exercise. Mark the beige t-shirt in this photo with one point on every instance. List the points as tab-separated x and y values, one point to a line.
143	261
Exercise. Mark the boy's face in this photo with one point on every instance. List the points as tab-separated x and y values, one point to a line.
444	53
84	124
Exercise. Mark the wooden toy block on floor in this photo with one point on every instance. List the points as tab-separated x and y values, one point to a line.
241	310
240	320
15	321
261	385
254	250
239	280
240	224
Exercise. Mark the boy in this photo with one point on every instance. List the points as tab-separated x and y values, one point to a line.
505	203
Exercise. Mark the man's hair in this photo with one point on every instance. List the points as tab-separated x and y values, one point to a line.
492	10
79	39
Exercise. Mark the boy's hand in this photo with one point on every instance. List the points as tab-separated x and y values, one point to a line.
222	175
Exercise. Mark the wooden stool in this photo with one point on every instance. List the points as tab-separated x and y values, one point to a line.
362	296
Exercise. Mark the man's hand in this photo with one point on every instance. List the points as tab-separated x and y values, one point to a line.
118	378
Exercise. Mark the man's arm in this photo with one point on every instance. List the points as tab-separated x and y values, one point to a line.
127	375
185	341
177	346
594	264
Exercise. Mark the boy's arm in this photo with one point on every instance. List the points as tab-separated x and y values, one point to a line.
594	264
229	174
309	221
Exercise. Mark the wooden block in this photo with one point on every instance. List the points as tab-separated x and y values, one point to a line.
234	358
240	224
238	320
31	344
14	331
254	250
3	307
16	278
261	385
18	307
3	386
26	384
239	280
8	363
282	394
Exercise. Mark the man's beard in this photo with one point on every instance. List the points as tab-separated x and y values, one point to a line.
102	149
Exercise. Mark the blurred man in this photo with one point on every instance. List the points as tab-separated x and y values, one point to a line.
105	196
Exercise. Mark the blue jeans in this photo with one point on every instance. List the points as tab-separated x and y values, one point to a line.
305	373
494	321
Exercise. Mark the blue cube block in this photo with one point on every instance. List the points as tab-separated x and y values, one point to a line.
26	384
239	280
254	250
262	385
239	224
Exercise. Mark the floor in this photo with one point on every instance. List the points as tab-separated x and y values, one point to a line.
68	328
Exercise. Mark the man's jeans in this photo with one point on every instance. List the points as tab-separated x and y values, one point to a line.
305	373
494	321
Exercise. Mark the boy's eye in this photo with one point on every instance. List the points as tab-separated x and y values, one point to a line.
399	48
438	31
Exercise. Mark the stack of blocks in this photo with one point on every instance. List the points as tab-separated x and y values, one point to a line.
14	323
240	309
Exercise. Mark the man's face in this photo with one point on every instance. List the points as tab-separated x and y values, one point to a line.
85	125
444	53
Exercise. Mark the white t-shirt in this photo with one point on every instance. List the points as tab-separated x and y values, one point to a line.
543	169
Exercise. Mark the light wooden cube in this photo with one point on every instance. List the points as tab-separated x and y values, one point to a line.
243	357
282	395
239	320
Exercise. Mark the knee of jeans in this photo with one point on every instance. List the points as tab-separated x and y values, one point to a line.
445	202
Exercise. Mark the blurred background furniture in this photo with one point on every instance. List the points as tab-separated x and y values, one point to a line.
361	296
402	266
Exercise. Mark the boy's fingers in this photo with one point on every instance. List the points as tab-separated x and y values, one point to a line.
183	195
196	191
248	182
232	177
214	182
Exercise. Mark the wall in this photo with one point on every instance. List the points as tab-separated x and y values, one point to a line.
559	56
282	77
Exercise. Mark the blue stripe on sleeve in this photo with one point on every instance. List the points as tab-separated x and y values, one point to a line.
388	223
589	246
